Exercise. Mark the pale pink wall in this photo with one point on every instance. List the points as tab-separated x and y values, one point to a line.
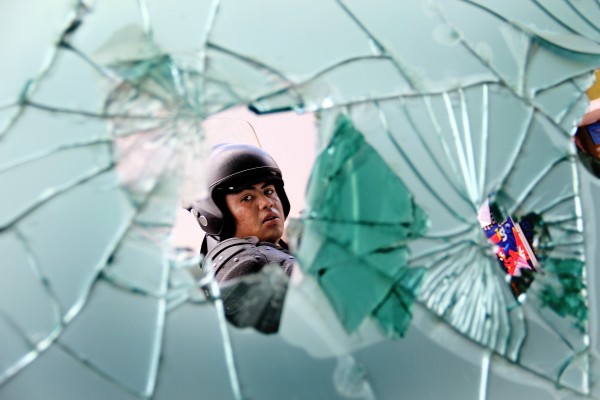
291	140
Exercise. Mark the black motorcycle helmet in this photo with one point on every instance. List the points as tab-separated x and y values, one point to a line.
232	167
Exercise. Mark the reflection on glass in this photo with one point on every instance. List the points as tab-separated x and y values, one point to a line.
443	104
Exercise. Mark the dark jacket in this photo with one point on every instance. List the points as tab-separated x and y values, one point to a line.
235	257
253	277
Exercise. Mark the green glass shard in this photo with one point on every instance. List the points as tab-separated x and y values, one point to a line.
565	294
361	215
395	312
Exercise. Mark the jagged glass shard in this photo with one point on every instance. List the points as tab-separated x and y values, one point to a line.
129	360
39	311
342	85
445	105
16	345
96	235
192	360
38	134
361	259
568	30
31	50
181	25
344	41
49	371
56	90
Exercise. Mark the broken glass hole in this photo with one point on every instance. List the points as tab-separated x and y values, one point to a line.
515	240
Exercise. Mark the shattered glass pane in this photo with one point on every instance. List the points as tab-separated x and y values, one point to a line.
426	111
353	243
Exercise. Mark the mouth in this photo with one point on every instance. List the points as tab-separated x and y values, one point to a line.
270	219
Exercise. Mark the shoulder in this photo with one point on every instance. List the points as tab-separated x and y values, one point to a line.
236	257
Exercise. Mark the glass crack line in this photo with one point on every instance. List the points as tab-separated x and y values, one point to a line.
362	27
468	47
485	114
211	21
145	18
32	83
102	71
177	301
485	372
467	138
400	65
560	336
571	230
31	157
556	202
518	149
567	364
556	85
526	100
529	189
14	326
447	235
59	110
37	349
251	61
361	257
558	221
479	313
467	168
89	365
57	191
211	289
342	105
297	87
398	147
453	247
498	16
354	222
71	313
123	286
517	363
447	276
13	120
555	19
9	105
439	278
110	250
567	112
568	244
431	156
161	311
33	262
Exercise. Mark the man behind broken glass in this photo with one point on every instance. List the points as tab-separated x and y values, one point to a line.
243	216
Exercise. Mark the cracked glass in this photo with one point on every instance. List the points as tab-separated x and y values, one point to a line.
446	247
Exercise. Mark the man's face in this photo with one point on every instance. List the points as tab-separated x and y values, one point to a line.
257	211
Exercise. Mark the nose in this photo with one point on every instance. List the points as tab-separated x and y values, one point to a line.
265	202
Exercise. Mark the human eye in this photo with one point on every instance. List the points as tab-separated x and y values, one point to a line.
246	198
